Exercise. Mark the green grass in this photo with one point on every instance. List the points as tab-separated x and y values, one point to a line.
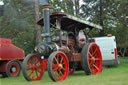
110	76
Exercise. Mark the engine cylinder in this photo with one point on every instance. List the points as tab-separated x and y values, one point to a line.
44	49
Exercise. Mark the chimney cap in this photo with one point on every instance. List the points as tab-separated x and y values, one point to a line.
43	3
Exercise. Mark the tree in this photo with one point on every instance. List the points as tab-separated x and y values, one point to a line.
67	6
1	10
112	15
96	11
37	27
17	23
122	26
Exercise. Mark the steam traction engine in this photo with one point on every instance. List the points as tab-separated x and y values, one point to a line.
65	51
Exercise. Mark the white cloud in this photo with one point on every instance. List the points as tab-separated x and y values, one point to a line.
1	3
81	2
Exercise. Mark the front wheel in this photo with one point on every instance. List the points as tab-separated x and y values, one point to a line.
58	66
91	59
33	67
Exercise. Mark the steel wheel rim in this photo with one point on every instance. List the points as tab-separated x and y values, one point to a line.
34	68
12	73
94	59
60	66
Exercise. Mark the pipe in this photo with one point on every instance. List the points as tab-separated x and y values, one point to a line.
46	17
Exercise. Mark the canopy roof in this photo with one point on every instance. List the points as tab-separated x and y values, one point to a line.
69	22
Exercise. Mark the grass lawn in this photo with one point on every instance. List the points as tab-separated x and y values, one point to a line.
109	76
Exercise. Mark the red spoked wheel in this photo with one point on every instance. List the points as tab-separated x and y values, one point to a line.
58	66
33	67
91	59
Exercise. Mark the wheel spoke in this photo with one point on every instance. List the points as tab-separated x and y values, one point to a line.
56	60
54	69
90	59
39	67
96	67
61	60
94	52
63	68
90	54
54	65
29	64
30	61
91	62
55	73
31	73
36	73
62	63
29	69
60	73
91	50
97	59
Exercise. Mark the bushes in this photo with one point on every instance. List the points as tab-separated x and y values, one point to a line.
122	52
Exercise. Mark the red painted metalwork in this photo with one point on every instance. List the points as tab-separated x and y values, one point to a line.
9	57
35	67
4	65
44	64
5	40
8	51
59	66
94	59
65	53
16	70
115	53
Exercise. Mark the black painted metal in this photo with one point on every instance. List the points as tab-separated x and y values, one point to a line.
46	16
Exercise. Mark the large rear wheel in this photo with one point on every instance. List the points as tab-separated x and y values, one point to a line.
91	59
32	67
58	66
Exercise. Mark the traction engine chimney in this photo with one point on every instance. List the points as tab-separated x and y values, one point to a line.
46	19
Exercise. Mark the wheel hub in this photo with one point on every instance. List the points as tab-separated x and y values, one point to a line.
93	59
33	67
60	66
13	69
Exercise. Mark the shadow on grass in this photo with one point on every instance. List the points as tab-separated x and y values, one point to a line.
78	73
